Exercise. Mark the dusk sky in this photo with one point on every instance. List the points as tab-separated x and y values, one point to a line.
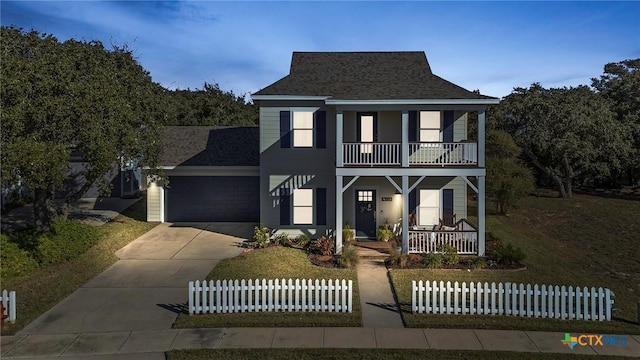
245	46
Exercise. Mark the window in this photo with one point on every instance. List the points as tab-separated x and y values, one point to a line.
303	206
429	126
365	195
429	207
302	129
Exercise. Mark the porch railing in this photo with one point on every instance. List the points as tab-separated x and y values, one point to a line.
371	153
437	153
464	239
420	154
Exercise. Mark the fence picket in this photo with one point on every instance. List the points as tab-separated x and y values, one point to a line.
547	301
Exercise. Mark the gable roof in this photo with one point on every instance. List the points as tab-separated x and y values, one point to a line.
210	146
365	76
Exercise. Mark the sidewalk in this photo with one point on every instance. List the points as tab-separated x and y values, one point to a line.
151	344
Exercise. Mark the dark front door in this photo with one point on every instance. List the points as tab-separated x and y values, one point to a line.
366	213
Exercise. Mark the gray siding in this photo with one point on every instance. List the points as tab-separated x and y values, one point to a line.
460	125
294	168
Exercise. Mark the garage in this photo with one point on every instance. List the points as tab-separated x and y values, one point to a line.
213	199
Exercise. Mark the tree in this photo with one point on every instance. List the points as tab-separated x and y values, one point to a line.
508	180
569	134
75	95
620	83
210	106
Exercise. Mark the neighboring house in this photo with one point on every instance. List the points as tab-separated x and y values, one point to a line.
213	175
364	138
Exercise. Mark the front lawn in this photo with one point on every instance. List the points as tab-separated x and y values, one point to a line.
271	263
583	241
38	291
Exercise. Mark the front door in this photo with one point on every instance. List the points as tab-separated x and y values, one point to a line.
366	213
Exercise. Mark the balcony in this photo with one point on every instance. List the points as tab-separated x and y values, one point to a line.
419	154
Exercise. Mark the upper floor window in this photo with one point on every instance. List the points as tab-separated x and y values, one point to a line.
302	128
429	126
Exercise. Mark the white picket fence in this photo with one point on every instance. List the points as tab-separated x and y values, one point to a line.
513	299
9	304
229	296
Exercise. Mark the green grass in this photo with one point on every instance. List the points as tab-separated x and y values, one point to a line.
272	263
369	354
39	291
583	241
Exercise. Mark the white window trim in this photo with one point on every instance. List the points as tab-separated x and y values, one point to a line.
420	128
420	220
293	129
311	207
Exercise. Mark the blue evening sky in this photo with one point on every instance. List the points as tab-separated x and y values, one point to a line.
244	46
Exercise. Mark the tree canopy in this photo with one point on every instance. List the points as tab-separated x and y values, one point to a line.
73	95
571	135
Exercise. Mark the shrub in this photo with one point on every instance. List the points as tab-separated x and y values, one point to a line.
67	240
349	258
433	260
261	236
322	246
384	233
397	258
347	233
15	261
450	255
281	239
477	262
507	254
303	240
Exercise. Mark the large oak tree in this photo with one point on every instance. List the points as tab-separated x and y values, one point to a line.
569	134
58	97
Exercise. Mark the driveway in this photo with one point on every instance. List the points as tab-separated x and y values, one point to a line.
147	287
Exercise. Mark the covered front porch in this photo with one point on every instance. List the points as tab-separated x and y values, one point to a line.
425	213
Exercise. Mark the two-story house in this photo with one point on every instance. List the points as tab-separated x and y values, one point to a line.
372	138
359	138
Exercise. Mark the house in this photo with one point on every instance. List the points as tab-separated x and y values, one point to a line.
365	139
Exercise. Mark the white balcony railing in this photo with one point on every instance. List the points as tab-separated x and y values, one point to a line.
371	153
437	153
429	241
424	153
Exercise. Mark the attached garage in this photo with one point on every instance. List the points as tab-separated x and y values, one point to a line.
213	199
213	175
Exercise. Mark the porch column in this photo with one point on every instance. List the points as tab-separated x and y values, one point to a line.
339	130
405	214
339	213
481	183
481	215
405	139
481	138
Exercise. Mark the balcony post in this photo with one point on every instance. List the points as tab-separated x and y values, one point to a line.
481	215
339	132
405	214
405	139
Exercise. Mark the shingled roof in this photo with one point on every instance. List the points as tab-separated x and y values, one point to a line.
210	146
365	76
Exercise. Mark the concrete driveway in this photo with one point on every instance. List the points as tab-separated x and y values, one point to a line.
147	287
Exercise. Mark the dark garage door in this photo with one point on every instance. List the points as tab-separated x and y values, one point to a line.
213	198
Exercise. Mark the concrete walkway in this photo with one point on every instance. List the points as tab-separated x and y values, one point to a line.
151	344
379	307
